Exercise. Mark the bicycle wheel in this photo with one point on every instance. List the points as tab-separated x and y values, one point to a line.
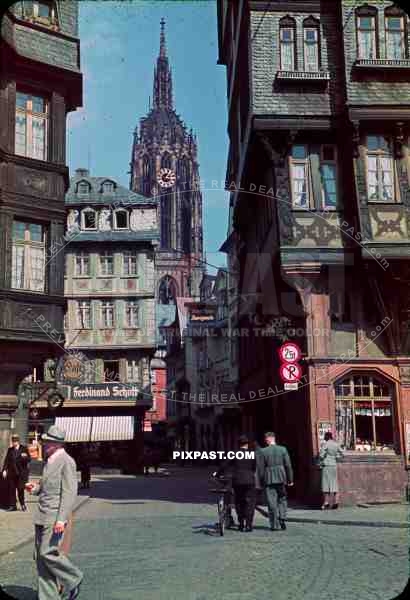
221	515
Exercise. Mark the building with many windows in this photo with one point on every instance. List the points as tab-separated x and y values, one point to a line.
110	321
319	126
40	83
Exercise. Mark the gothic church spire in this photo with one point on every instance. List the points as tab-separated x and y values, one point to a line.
162	76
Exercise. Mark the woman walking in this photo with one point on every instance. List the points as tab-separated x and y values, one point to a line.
328	455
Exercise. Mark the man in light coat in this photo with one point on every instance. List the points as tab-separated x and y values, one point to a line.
57	493
275	473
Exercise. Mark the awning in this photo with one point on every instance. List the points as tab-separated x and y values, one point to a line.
77	429
97	429
110	429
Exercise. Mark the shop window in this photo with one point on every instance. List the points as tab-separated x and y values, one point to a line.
31	129
28	257
111	371
364	414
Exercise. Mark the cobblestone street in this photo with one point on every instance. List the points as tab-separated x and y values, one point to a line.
152	538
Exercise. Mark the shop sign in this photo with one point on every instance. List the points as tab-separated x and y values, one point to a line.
104	391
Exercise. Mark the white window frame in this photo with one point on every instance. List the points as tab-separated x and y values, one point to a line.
31	116
84	314
107	314
121	210
83	213
24	251
306	44
106	183
82	264
284	43
84	184
298	162
388	31
132	314
133	371
104	262
360	30
380	155
129	258
332	163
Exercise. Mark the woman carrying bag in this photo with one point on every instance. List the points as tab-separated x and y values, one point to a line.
328	455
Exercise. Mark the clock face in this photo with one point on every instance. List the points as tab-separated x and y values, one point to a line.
166	178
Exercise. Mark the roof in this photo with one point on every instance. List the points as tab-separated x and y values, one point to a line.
120	196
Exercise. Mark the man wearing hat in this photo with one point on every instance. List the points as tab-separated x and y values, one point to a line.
57	493
275	472
243	483
15	470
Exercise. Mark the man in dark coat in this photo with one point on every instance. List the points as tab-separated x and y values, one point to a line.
275	473
15	470
243	483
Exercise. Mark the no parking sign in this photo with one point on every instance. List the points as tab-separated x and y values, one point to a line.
290	371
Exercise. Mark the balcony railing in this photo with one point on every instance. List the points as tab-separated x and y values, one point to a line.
382	63
303	75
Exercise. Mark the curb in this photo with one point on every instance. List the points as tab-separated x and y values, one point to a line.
30	538
342	522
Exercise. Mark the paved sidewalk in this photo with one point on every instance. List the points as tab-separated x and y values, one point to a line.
16	528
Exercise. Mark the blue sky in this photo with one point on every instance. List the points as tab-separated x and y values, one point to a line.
119	47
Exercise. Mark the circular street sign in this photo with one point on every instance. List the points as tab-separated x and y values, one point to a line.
290	373
289	353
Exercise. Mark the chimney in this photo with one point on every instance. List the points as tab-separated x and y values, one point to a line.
82	172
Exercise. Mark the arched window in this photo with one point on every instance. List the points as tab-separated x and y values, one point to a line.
184	173
121	219
88	219
146	176
396	33
364	413
311	46
287	40
167	291
108	187
166	161
366	27
83	188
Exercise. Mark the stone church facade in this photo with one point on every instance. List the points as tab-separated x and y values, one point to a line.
164	165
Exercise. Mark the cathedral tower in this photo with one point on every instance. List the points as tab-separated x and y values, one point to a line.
164	165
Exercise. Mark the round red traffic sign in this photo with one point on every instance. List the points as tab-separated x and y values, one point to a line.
289	353
290	372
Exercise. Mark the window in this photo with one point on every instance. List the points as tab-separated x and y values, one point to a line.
366	36
364	414
167	291
146	176
111	371
133	371
42	11
395	37
130	260
83	188
166	161
299	176
107	315
287	44
108	187
311	45
28	257
328	173
121	219
89	219
106	263
31	126
380	169
84	314
82	264
132	314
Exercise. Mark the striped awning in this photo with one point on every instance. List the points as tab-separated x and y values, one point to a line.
77	429
110	429
97	429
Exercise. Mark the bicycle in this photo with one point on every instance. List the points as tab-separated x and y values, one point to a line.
223	505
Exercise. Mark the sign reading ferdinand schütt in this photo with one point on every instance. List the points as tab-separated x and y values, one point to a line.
104	391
